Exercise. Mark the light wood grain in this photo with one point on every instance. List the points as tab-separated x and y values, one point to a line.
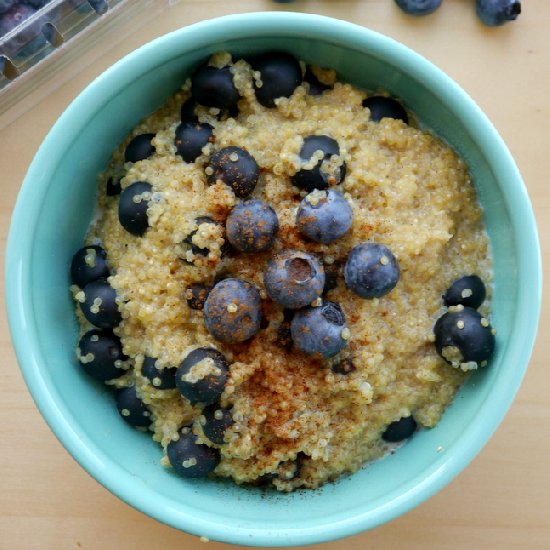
502	500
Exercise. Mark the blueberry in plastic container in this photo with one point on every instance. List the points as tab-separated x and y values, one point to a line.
190	138
139	148
132	207
400	429
236	167
418	7
385	107
131	408
100	354
497	12
89	263
217	421
213	87
467	291
191	459
162	379
99	306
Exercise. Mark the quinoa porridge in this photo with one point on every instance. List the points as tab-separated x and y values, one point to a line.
288	246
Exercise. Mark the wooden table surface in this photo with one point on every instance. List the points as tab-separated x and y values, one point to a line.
502	500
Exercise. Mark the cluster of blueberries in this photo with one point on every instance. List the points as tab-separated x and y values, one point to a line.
14	12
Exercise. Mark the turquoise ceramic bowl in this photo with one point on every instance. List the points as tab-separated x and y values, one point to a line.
55	206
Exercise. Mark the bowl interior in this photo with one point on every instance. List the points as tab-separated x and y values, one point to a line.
56	205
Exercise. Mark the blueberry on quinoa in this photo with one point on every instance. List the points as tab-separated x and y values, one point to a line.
140	148
213	87
187	112
294	279
236	168
232	311
467	291
131	407
162	379
202	375
252	226
217	421
320	330
324	216
89	263
196	295
132	207
321	175
399	430
371	270
100	354
189	458
497	12
100	306
315	86
385	107
189	239
418	7
113	188
464	338
190	138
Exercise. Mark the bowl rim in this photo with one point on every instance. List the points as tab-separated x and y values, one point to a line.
19	251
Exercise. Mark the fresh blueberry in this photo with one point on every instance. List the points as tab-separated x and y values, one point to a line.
13	17
89	264
131	407
418	7
371	270
202	375
132	207
252	226
100	354
497	12
99	306
140	148
316	87
189	239
333	271
399	430
385	107
320	329
324	216
217	420
464	336
187	113
232	311
280	75
318	177
213	87
6	5
294	279
196	295
189	458
236	167
190	138
345	366
162	379
468	291
113	187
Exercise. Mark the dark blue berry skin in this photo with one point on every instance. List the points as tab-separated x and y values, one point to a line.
468	291
6	5
315	178
324	219
108	315
280	74
497	12
140	148
385	107
162	379
318	330
198	294
113	188
230	326
133	215
252	226
208	389
464	330
187	113
418	7
106	350
190	138
81	272
13	17
333	272
214	428
399	430
316	87
213	87
185	449
241	174
371	270
294	279
131	408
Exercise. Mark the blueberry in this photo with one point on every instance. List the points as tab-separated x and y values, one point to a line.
385	107
189	239
6	5
317	177
214	87
320	329
187	113
131	407
100	354
196	295
99	306
324	216
190	138
333	271
280	74
371	270
113	187
162	379
399	430
316	87
189	458
202	375
89	263
463	336
468	291
132	207
232	311
252	226
13	17
418	7
217	420
497	12
236	167
294	279
140	148
344	366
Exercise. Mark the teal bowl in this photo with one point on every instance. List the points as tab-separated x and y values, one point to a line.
55	206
